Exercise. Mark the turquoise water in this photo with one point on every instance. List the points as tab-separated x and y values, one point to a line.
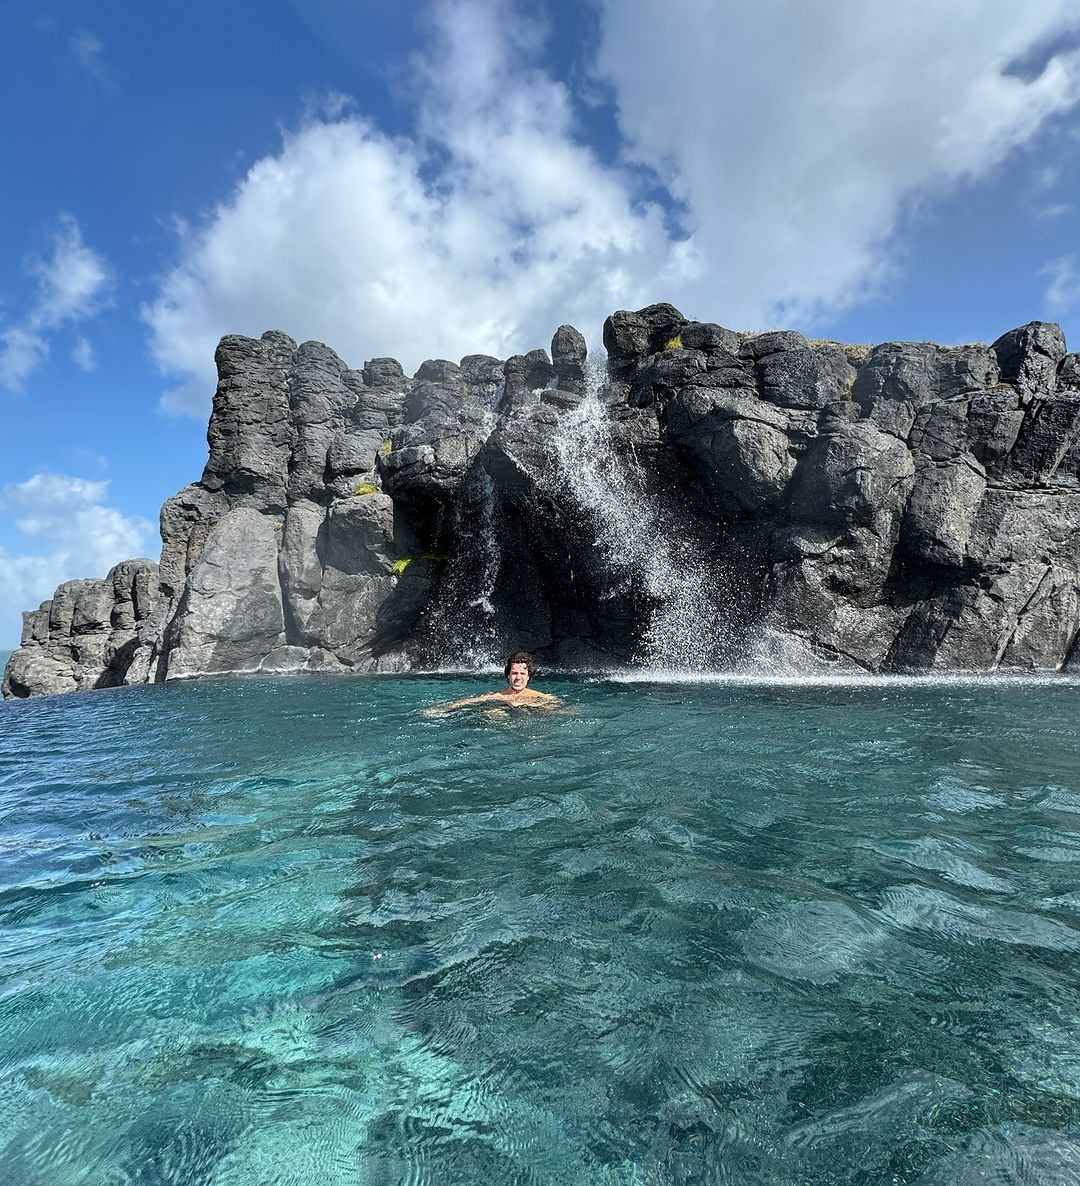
292	931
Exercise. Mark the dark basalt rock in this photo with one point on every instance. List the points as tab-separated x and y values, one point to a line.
384	374
712	340
666	373
483	375
920	373
793	374
448	414
1030	357
251	433
91	634
737	446
568	355
939	516
906	506
525	376
629	338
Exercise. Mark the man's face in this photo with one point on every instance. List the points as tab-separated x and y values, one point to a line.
518	677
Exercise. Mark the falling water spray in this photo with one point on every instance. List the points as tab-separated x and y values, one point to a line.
636	537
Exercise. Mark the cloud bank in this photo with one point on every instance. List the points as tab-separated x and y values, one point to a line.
769	154
799	134
349	236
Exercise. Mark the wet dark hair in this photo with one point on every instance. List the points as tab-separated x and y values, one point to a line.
520	657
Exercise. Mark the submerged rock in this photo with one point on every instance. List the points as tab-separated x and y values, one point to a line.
716	497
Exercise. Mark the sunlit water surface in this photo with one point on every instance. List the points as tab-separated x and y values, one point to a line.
294	932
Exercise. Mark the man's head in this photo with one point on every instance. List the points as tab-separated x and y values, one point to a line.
518	670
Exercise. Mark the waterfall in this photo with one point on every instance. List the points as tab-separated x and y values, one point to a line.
645	543
462	629
639	538
477	632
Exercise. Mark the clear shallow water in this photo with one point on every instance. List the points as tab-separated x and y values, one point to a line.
291	931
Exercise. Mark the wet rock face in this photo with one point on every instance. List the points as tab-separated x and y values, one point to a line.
906	506
914	505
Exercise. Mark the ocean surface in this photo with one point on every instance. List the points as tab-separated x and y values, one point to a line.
292	931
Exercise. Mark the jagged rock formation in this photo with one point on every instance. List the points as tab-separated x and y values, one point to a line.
737	499
90	635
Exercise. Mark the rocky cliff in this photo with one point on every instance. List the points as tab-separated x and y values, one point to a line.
703	499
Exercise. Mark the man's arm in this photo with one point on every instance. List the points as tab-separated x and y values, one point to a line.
438	710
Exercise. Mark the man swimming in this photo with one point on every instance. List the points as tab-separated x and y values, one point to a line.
519	670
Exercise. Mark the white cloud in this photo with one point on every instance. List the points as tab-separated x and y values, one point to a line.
71	280
798	134
88	50
1054	210
1063	284
84	537
1045	178
349	236
83	354
22	350
792	136
70	286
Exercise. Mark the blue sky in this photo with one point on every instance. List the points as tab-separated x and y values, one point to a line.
439	178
